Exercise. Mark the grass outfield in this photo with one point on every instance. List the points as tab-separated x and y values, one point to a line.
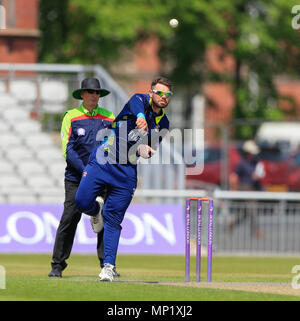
150	278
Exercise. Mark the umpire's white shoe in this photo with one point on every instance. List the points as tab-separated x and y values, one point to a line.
107	273
97	221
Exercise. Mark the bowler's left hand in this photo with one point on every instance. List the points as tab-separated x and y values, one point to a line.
145	151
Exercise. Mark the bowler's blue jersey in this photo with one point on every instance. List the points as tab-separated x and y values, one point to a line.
122	138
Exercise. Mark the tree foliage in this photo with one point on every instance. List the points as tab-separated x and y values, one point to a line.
257	33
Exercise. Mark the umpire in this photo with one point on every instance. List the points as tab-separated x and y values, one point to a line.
78	135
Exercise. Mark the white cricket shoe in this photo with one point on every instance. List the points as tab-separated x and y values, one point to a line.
116	274
97	221
107	273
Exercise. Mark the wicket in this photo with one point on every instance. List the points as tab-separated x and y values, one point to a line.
198	237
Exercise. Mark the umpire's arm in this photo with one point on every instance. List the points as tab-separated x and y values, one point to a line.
67	140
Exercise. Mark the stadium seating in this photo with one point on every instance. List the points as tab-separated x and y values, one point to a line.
49	154
10	139
11	180
6	167
7	101
56	169
2	86
27	127
38	140
4	126
14	114
40	181
54	95
31	163
31	167
25	91
18	154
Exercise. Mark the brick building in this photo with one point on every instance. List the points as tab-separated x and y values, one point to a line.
18	42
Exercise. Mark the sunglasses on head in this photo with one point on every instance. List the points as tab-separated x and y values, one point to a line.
161	93
92	91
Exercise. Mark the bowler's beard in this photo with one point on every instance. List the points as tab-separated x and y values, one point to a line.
158	106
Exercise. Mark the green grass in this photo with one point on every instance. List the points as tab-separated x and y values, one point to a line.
26	278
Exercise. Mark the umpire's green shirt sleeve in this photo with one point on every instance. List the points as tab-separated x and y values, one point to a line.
67	140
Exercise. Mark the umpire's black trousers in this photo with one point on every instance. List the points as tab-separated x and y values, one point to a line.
67	227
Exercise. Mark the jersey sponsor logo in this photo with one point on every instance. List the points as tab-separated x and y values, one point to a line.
80	131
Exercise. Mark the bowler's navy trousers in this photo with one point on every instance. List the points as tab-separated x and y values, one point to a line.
120	181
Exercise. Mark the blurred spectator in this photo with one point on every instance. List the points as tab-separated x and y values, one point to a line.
249	172
246	177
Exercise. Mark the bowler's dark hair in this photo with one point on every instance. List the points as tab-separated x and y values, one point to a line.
163	81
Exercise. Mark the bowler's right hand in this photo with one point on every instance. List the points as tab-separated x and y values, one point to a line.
142	124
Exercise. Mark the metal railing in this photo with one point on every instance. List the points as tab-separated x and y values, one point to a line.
258	223
72	75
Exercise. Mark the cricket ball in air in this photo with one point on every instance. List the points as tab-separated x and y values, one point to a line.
173	23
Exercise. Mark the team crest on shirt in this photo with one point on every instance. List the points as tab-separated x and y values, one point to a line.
84	174
80	131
